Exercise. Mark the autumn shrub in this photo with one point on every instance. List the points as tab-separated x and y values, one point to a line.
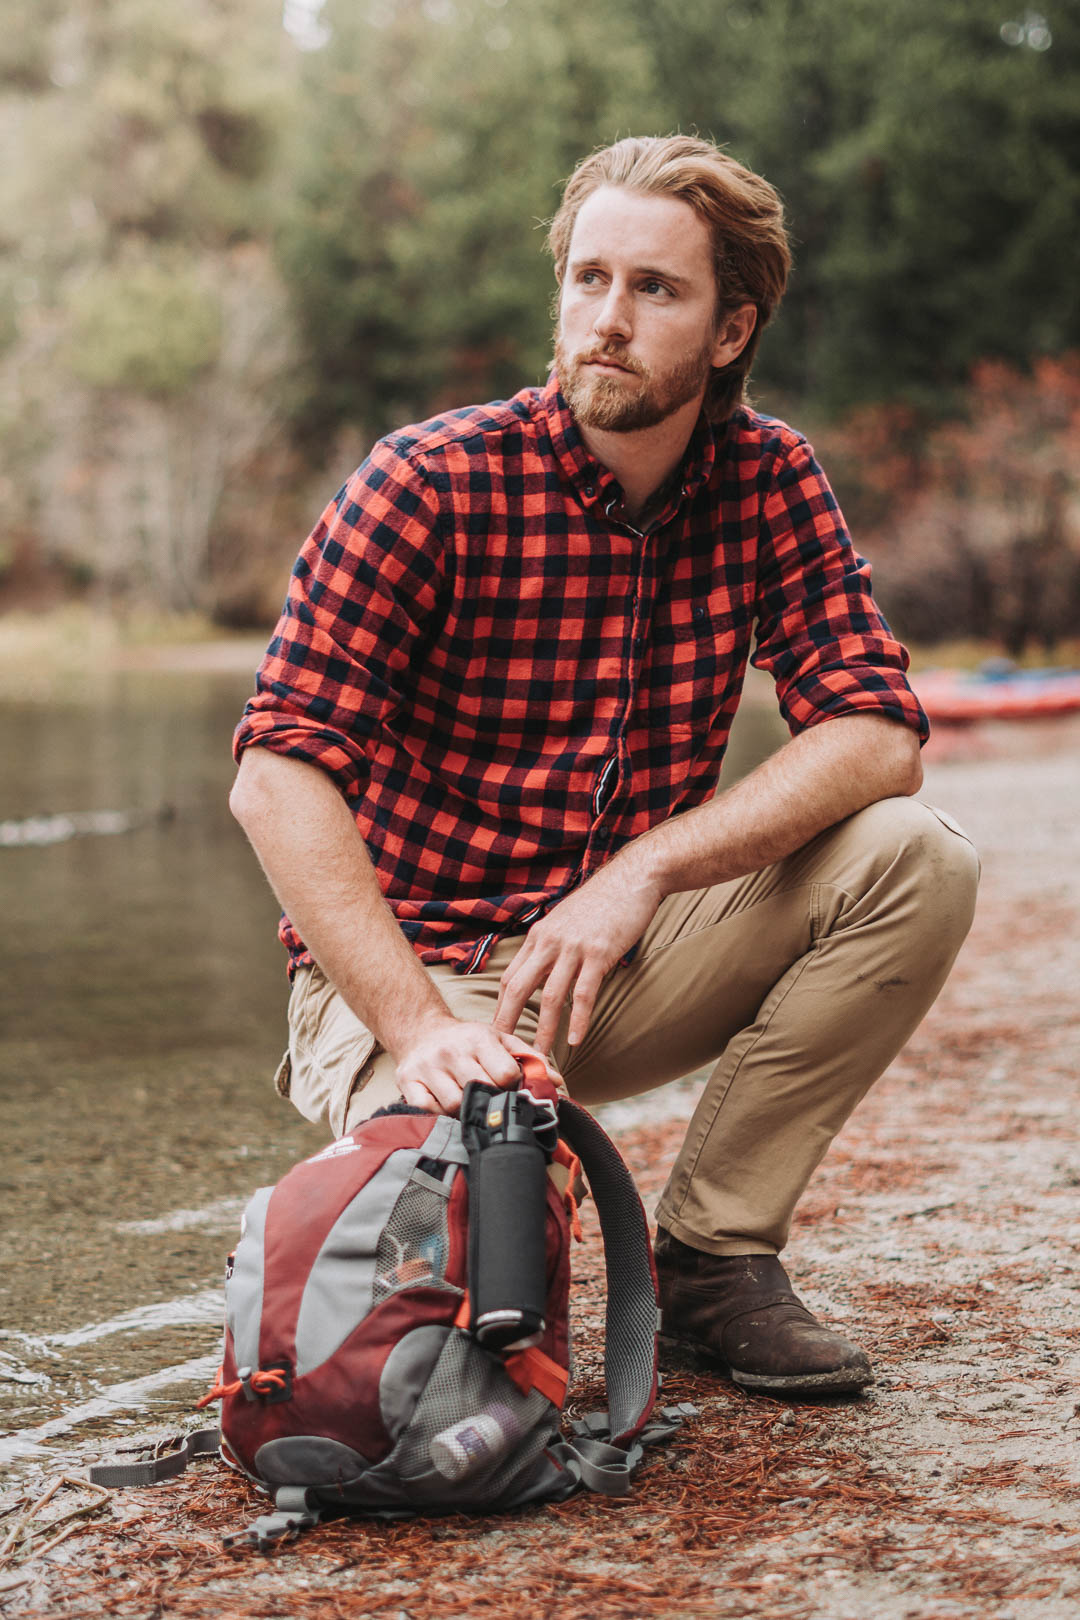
973	524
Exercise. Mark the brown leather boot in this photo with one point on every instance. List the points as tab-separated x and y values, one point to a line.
741	1310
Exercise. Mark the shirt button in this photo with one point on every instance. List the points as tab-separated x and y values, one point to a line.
590	490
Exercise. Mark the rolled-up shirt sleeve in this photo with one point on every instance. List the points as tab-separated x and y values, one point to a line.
361	592
819	632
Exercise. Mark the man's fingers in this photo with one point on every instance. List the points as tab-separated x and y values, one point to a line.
434	1075
521	1049
448	1093
498	1063
439	1092
512	997
557	974
518	983
418	1096
556	990
585	992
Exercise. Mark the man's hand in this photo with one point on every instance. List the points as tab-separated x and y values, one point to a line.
434	1069
575	946
822	775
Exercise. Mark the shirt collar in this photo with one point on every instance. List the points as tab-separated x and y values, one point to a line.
594	483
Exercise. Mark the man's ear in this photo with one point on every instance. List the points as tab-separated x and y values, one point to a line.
733	334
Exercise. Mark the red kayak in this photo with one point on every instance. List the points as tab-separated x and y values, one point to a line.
953	695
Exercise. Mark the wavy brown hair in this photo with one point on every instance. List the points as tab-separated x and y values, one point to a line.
744	215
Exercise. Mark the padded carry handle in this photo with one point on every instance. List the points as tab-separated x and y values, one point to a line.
630	1350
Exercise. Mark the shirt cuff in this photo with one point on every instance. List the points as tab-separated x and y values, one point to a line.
302	738
827	693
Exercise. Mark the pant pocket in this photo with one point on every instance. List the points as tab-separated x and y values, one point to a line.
283	1075
328	1049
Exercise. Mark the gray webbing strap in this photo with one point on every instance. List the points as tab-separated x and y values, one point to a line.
665	1422
201	1443
600	1467
669	1422
630	1346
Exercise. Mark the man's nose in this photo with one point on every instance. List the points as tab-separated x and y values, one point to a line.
613	320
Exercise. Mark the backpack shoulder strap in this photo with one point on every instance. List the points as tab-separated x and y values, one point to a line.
630	1355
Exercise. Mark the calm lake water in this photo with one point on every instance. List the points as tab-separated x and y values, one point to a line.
142	1010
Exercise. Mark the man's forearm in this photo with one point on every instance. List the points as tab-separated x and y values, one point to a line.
819	778
319	868
315	858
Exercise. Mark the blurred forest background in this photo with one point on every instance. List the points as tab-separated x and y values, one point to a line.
237	245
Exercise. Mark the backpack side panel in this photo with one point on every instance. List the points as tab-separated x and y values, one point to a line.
244	1288
309	1199
340	1287
332	1327
556	1340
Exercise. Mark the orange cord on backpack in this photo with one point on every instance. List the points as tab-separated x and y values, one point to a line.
262	1382
572	1165
571	1202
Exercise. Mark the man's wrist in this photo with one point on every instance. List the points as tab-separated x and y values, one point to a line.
641	865
418	1025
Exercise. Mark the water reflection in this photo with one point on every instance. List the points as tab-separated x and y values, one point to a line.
141	1012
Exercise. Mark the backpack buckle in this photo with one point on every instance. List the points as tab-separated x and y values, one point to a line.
297	1509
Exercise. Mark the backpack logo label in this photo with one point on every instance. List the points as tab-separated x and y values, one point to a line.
336	1150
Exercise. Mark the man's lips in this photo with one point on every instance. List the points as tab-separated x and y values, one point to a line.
604	363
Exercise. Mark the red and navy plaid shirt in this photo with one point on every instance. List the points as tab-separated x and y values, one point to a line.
507	683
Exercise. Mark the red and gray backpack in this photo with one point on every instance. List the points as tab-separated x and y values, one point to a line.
383	1352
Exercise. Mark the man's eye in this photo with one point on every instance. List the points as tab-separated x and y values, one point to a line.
656	287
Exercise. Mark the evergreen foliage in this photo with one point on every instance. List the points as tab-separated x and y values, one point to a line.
436	136
150	328
216	234
930	171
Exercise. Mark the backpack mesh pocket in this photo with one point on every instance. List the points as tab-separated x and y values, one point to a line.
467	1381
414	1244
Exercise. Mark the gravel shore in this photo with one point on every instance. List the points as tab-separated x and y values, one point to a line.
942	1232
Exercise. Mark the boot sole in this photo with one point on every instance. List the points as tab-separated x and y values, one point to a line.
841	1381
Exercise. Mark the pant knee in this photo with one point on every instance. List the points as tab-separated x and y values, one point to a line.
923	847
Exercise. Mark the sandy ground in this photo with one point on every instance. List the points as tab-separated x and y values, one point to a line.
943	1232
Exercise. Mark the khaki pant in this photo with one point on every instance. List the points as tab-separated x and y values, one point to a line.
801	982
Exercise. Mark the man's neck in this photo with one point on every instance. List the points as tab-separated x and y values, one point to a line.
644	461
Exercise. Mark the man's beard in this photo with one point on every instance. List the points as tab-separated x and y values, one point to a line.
628	403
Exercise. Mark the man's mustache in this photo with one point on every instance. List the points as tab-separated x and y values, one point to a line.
613	357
